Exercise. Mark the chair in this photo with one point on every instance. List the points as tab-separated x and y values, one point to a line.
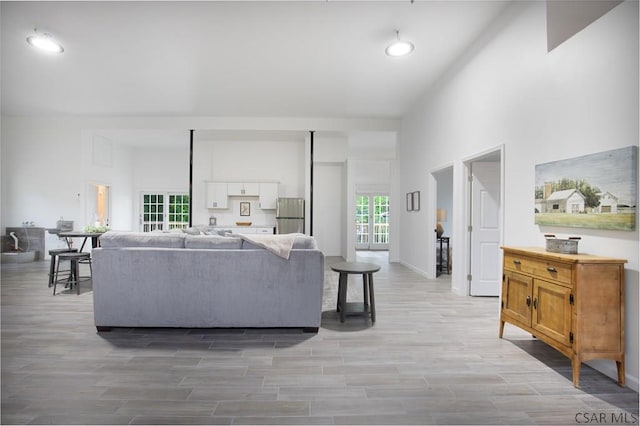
443	255
72	276
54	258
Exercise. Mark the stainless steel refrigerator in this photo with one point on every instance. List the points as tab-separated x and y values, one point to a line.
290	215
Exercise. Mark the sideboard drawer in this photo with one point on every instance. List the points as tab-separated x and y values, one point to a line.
545	269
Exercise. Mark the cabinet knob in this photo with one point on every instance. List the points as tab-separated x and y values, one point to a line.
535	303
551	269
528	300
517	261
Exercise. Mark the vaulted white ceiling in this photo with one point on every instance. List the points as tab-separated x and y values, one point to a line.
231	58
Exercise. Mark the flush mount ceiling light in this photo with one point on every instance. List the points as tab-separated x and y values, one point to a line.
399	47
45	42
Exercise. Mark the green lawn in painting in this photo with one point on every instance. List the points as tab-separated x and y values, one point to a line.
615	221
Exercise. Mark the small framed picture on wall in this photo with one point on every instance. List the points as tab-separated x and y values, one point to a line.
415	200
245	208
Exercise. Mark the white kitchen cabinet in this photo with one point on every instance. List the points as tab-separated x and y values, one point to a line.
243	189
218	193
217	196
268	196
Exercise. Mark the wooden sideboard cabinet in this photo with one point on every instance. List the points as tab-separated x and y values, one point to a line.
572	302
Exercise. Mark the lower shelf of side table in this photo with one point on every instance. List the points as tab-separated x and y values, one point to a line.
356	308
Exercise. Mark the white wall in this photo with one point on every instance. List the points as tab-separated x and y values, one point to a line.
329	214
36	160
116	174
47	162
158	169
165	168
35	150
579	99
246	161
47	167
329	226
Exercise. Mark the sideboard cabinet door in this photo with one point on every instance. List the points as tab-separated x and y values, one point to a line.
552	312
516	297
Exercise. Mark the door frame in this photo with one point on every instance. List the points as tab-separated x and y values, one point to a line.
498	153
434	181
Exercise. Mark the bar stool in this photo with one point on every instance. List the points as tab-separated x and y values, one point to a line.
73	276
54	257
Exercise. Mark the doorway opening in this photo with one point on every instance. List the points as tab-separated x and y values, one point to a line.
372	222
485	194
444	220
98	205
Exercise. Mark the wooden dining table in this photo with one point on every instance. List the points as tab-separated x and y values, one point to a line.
69	235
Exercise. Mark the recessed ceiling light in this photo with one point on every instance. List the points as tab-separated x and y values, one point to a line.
45	42
399	47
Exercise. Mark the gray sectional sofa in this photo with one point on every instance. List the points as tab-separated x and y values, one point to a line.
181	280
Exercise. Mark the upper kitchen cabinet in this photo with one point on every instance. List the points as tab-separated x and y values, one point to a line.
217	195
243	189
268	196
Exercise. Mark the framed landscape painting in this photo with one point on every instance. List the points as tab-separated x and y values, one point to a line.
592	191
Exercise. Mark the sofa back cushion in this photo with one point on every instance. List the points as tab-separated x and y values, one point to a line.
191	231
113	239
212	242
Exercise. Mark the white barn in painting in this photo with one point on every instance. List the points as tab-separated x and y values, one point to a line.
608	203
566	201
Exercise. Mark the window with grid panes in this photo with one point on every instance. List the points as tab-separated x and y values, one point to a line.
362	219
381	219
178	211
164	211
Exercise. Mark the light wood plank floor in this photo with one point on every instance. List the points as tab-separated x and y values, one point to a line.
431	358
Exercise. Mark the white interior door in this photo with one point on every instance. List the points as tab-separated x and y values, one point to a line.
485	229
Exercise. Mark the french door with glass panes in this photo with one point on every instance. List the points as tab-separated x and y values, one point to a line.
164	211
372	222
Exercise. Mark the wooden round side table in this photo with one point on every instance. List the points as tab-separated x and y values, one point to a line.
366	270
